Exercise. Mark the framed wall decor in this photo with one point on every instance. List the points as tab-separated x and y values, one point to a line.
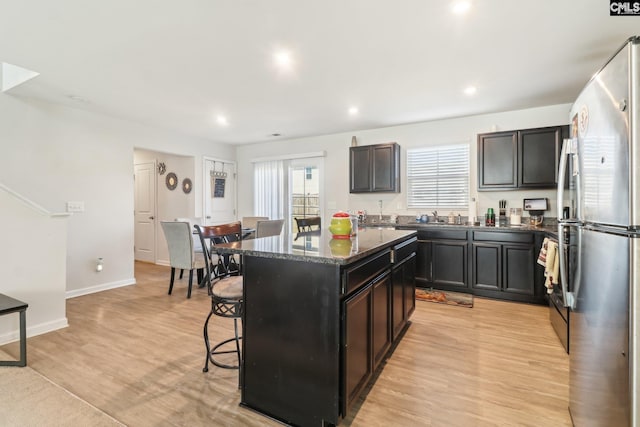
171	181
186	185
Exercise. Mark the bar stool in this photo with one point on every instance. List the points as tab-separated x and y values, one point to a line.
226	292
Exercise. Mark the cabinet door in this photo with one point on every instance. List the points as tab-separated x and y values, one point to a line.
486	266
385	175
518	269
424	260
538	153
409	286
497	160
397	302
360	169
449	265
357	344
381	316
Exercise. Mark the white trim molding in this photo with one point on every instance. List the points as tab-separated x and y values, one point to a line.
100	288
290	156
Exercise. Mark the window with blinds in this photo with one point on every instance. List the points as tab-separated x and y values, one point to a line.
438	177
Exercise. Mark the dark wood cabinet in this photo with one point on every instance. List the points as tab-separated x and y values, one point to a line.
526	158
504	266
497	160
493	262
442	260
380	319
357	343
374	168
404	289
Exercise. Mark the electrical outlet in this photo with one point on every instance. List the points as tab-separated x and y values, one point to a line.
75	206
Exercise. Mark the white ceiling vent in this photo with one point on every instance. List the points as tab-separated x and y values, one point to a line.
12	76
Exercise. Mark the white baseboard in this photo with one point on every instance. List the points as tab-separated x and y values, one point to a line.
100	288
32	331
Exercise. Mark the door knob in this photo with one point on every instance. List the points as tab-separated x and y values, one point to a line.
151	217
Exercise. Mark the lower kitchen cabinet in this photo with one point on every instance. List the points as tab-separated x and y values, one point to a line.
380	320
404	289
442	260
357	343
503	266
496	264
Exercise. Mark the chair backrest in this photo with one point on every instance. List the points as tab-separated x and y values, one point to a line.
306	224
223	233
250	221
271	227
192	222
180	242
225	264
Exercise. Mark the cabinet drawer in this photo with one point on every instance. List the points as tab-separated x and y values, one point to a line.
404	250
366	270
503	236
442	234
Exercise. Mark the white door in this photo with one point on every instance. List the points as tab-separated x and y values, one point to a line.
219	192
145	211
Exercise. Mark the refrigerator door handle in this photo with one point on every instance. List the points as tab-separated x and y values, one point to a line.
562	171
567	148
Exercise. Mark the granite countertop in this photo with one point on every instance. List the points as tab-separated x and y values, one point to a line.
548	229
319	246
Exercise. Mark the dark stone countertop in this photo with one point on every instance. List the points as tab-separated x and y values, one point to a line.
319	246
549	230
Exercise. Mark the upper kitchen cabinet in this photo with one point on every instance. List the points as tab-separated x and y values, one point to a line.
526	158
374	168
497	160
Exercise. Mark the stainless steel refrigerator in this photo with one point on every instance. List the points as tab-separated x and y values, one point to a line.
599	243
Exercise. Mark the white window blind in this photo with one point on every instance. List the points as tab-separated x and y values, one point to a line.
438	177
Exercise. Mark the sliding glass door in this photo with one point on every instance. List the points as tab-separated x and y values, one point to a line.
289	188
305	190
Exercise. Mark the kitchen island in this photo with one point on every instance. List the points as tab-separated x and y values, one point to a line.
320	316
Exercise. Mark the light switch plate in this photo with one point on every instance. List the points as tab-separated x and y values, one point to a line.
75	206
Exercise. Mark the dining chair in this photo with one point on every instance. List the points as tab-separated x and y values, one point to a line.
270	227
222	233
226	293
181	251
197	247
307	223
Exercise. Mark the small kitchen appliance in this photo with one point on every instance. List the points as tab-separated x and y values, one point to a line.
536	208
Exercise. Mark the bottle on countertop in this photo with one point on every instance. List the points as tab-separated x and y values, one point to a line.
490	218
452	218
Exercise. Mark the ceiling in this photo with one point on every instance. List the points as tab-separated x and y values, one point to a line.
178	65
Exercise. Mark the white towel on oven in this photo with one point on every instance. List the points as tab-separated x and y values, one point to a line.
552	267
542	257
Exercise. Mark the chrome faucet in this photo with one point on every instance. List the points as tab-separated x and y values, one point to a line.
435	216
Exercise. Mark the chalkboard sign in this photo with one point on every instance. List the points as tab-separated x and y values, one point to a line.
218	187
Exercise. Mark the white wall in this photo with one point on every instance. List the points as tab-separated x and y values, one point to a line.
452	131
53	154
32	261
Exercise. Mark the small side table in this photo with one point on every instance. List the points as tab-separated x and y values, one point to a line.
11	305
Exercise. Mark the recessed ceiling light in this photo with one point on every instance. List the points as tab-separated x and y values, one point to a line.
275	134
283	60
470	90
460	6
222	120
353	110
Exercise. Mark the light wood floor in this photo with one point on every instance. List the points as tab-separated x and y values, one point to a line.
137	354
